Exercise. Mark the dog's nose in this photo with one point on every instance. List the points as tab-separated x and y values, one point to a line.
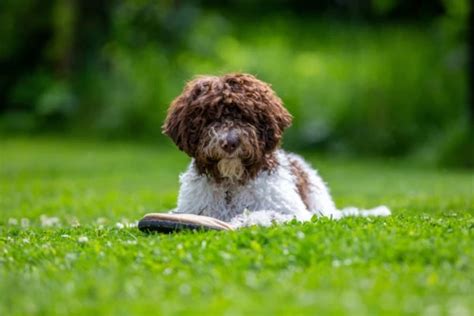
231	142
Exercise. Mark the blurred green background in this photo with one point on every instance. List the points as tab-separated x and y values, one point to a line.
361	77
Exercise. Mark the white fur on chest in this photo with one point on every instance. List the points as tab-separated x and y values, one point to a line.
275	190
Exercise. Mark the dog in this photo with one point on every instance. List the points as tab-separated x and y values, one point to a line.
231	126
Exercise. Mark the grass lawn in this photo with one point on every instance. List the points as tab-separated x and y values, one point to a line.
66	248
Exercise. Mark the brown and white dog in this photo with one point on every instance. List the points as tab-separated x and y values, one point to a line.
231	126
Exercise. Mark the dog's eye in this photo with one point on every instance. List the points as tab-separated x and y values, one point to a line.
237	115
232	112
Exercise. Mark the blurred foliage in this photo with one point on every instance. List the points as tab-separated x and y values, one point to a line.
377	77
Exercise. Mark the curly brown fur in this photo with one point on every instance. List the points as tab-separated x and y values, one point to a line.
302	180
237	109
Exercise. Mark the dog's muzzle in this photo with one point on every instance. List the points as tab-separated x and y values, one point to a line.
230	142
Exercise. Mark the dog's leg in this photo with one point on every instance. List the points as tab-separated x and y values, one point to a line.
197	196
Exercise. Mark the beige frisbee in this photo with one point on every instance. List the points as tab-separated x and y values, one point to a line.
167	223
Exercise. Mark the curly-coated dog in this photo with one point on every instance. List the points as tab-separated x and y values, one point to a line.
232	126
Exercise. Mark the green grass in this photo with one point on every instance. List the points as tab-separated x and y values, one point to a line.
418	261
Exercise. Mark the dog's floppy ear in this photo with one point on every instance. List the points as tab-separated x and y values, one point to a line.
273	117
186	114
282	117
276	119
257	99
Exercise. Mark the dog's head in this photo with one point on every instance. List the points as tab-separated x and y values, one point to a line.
230	124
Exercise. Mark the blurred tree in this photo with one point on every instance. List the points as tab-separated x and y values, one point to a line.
24	34
470	35
362	9
111	67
